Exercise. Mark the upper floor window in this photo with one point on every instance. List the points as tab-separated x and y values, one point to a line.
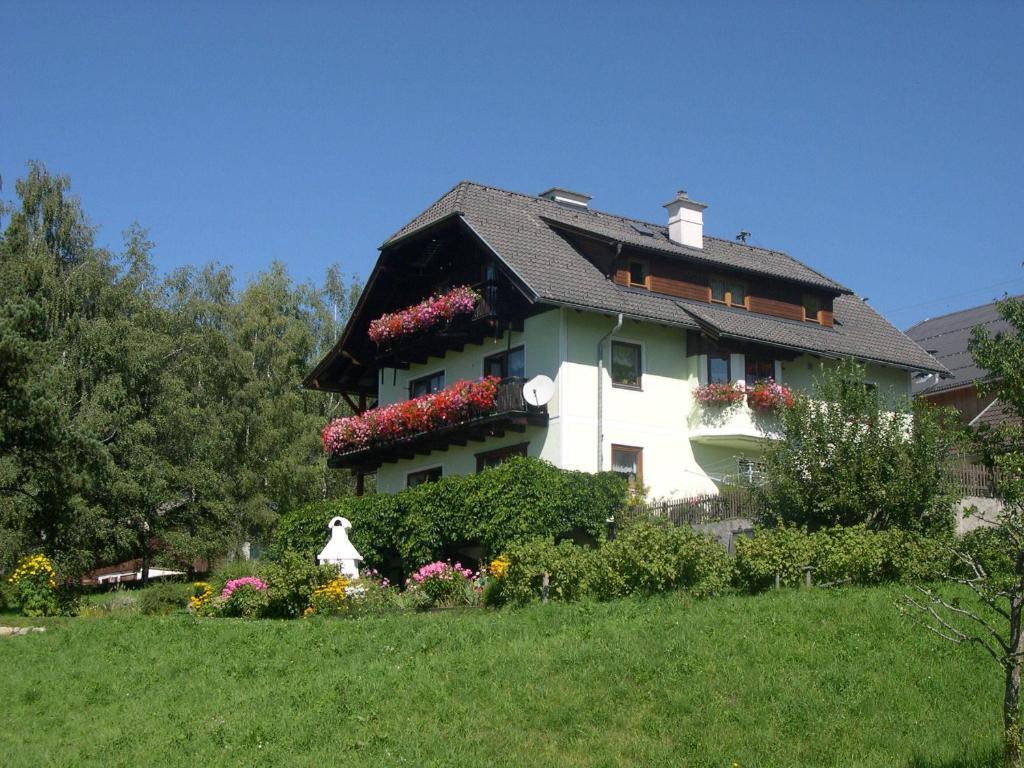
423	476
506	364
426	385
812	306
628	463
758	369
719	369
731	293
626	359
638	274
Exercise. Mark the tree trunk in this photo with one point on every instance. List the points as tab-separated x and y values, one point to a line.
1011	690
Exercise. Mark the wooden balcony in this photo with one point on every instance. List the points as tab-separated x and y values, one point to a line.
511	413
486	321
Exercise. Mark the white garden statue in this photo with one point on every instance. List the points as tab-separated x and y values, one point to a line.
339	550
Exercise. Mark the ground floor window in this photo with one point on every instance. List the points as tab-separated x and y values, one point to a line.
748	470
423	476
494	458
628	462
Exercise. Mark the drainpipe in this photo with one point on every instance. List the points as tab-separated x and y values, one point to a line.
600	393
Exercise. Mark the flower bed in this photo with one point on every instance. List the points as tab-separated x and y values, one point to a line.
461	401
769	396
719	394
428	313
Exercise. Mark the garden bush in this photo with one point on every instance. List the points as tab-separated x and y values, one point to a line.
500	507
246	598
445	585
163	598
292	578
644	559
853	554
34	583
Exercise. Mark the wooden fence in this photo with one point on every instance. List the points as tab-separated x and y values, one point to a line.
973	479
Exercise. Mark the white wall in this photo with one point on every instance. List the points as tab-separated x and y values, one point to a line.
657	418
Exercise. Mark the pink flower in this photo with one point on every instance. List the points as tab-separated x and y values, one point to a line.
429	312
234	584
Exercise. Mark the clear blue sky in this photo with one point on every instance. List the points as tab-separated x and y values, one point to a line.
882	143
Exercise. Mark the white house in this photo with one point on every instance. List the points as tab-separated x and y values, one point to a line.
628	319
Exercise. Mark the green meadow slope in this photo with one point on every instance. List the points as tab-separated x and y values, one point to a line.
800	678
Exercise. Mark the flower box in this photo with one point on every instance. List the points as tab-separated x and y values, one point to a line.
461	401
719	394
439	308
768	395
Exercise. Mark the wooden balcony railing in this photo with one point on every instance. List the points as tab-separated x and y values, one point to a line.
511	413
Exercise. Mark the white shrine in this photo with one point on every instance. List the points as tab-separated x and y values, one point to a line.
339	550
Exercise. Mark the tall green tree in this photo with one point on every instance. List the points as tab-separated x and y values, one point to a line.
145	416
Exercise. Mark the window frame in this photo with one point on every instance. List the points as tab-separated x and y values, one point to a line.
428	472
426	377
504	354
817	303
637	451
728	363
644	267
502	454
727	291
639	364
747	359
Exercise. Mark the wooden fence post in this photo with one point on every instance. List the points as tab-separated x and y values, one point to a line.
544	586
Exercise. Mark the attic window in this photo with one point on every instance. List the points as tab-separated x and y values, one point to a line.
638	274
812	308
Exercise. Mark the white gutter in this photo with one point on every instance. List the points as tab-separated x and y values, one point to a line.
600	393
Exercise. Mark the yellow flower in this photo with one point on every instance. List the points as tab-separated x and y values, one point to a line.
499	567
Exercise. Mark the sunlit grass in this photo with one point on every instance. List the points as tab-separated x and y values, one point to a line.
800	678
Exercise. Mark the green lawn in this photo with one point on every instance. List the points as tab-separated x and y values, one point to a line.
815	678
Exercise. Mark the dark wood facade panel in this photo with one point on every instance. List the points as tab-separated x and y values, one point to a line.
680	288
775	307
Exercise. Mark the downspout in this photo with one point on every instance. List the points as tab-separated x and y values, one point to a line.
600	393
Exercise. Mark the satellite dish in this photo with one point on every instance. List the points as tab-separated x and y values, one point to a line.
539	390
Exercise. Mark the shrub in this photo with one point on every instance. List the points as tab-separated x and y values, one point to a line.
120	601
783	550
163	598
328	599
35	586
503	506
292	580
444	584
234	569
247	600
573	572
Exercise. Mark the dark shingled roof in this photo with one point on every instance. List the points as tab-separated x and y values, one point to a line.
523	231
946	338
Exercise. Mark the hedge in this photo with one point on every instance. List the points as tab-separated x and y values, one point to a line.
520	499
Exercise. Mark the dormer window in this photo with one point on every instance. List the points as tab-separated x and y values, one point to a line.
812	308
638	274
729	293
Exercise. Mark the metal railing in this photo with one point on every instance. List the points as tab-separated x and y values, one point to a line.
728	504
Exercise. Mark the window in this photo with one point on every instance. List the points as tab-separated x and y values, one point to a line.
638	274
506	364
719	369
626	364
811	308
426	385
423	476
733	294
749	471
494	458
758	369
628	462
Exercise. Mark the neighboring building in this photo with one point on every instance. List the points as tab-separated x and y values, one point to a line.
946	338
627	317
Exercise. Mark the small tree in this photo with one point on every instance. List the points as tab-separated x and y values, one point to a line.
851	455
992	620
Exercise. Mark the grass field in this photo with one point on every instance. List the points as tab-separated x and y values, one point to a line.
799	678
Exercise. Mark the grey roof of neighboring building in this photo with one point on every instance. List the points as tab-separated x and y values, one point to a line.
523	231
946	338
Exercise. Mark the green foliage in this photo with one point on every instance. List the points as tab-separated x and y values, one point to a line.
234	569
135	409
851	455
246	602
841	554
644	559
292	579
163	598
517	500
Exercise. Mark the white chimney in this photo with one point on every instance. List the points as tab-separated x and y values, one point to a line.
686	221
566	197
